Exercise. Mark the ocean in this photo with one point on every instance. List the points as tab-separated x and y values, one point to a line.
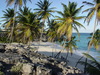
83	45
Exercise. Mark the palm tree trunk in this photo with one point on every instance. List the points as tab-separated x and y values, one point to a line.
52	48
42	30
67	55
95	24
58	54
78	61
85	65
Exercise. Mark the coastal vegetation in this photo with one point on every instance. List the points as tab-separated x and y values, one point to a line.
23	25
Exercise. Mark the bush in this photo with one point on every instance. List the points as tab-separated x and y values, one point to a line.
17	68
1	73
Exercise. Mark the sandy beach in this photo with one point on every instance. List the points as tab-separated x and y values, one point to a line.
51	49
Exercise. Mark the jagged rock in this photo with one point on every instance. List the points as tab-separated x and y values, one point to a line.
27	69
35	63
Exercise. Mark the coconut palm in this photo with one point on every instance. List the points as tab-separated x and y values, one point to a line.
44	12
70	45
96	40
69	19
17	3
93	66
28	26
8	19
93	10
52	30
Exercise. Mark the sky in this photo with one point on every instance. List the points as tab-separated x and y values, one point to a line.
57	4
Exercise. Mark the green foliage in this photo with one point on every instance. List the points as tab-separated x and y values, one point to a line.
95	9
93	66
68	19
70	45
28	27
95	41
44	11
1	73
3	37
17	2
8	18
17	68
52	31
1	70
3	40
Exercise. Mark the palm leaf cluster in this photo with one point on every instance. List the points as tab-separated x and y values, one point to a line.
27	26
17	2
94	9
70	45
92	66
96	40
52	32
44	11
68	19
8	18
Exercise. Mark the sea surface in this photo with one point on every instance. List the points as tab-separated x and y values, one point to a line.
83	45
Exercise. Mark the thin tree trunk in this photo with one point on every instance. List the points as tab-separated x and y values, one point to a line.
67	55
95	24
85	66
78	61
52	49
42	30
58	54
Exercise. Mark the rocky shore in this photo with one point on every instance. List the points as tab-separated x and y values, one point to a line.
23	60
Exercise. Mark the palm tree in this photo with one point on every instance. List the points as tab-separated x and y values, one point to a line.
67	45
95	9
52	30
93	66
8	18
69	19
28	26
70	45
96	40
44	12
17	3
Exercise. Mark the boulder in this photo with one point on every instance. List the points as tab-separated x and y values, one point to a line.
27	69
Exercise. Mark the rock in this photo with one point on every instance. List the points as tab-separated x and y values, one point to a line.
21	50
27	69
9	47
34	63
2	48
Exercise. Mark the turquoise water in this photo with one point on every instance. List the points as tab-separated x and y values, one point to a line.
83	44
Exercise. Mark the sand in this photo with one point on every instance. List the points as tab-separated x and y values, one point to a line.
51	49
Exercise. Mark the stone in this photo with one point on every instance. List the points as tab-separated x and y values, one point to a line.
35	63
27	69
2	48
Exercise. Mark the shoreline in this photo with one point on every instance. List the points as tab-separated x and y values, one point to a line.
50	49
